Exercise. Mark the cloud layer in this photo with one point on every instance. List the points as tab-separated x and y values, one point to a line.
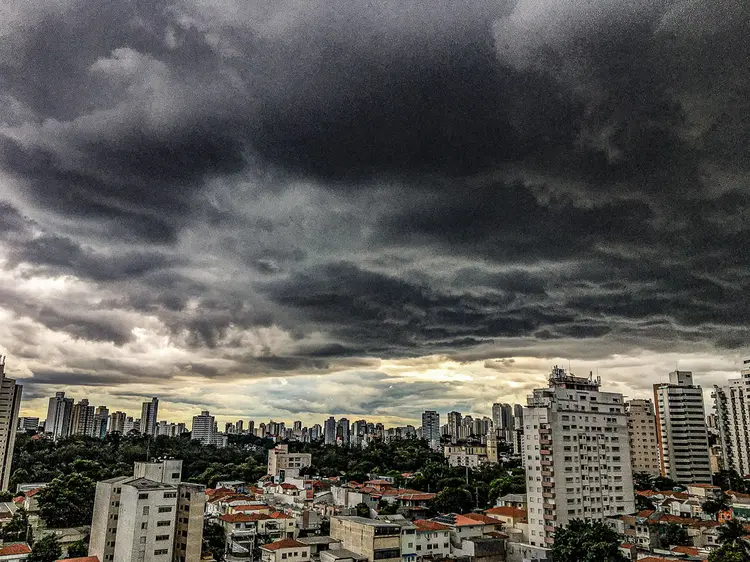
234	193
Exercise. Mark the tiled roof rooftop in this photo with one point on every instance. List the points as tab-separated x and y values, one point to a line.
16	548
283	543
425	525
508	511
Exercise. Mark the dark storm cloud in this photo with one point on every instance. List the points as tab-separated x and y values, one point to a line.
460	175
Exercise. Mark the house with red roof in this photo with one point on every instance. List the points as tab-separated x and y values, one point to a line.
84	559
244	530
433	539
285	550
14	552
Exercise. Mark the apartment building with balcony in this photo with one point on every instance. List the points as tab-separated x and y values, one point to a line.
642	433
576	455
682	435
375	540
732	406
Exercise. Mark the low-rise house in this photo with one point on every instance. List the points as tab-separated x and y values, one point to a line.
285	550
319	544
245	531
15	552
468	526
375	540
512	500
514	521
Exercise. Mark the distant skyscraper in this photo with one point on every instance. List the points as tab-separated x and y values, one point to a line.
342	431
117	422
454	426
732	404
149	416
10	402
329	431
239	425
316	432
683	437
204	428
82	420
59	412
251	427
101	419
431	428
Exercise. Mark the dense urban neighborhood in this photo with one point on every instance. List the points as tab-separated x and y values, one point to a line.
577	473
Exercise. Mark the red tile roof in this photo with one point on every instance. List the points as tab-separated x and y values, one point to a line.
689	550
378	483
481	518
244	517
84	559
16	548
250	508
279	515
288	486
33	492
626	545
508	511
424	525
416	497
283	543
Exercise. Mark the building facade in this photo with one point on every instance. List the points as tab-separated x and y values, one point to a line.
283	464
149	416
370	538
732	406
642	432
576	454
431	428
59	412
10	402
682	433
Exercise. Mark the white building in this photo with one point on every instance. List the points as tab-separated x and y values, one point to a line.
732	405
285	549
576	453
282	464
137	519
432	539
10	402
642	433
683	436
59	412
204	429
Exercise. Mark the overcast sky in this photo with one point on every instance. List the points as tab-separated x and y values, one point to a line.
290	208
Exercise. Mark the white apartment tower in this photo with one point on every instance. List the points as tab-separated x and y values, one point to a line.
137	519
576	453
10	402
59	414
204	428
644	443
732	404
682	434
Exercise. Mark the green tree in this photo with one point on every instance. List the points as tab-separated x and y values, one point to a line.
642	481
730	480
17	529
6	496
642	502
664	484
714	506
67	501
452	500
673	534
214	540
733	533
46	549
362	509
729	552
78	549
586	541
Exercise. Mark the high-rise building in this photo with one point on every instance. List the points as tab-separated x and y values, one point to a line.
59	412
239	426
117	422
316	432
577	455
329	431
342	431
151	515
10	402
502	420
101	419
732	405
431	428
682	435
283	464
149	416
642	430
28	424
251	427
204	428
82	419
454	426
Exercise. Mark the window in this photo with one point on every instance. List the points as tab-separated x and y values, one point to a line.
142	496
161	551
162	537
145	510
163	523
165	509
168	495
144	525
143	540
419	547
175	475
283	555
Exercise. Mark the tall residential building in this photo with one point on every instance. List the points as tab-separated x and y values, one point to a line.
10	402
150	516
204	428
28	424
101	420
642	433
329	431
59	412
502	420
82	419
682	435
577	455
316	432
732	405
342	431
431	428
117	422
454	426
283	464
149	415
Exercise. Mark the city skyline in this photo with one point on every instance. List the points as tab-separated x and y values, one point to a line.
342	205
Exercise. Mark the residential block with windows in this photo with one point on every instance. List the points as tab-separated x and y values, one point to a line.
644	445
372	539
283	463
732	403
576	454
